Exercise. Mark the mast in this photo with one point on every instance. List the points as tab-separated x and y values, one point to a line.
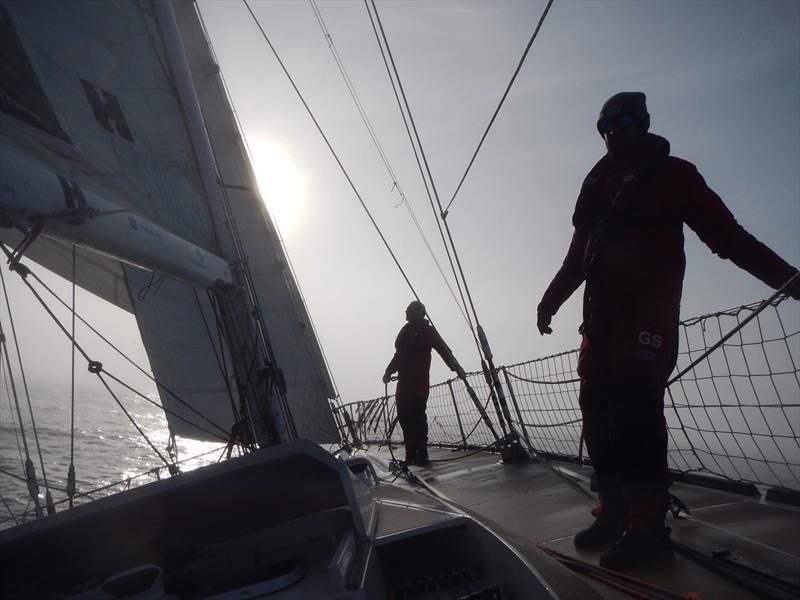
260	384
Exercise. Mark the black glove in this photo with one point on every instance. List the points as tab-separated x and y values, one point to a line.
543	322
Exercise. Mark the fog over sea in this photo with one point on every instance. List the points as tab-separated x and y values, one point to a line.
107	447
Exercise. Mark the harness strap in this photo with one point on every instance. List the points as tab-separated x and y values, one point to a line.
632	186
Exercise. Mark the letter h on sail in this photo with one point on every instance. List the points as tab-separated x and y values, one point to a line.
107	110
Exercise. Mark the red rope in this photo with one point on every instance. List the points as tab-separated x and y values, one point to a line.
615	578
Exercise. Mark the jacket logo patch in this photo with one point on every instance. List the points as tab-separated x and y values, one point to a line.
650	339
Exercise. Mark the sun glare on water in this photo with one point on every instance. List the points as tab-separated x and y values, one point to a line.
281	184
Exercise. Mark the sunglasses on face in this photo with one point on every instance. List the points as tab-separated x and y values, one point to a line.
609	124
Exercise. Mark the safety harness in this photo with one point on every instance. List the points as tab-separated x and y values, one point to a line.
605	225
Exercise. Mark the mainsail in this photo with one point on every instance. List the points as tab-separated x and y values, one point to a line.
92	94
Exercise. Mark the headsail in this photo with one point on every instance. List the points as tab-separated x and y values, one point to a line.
187	354
88	94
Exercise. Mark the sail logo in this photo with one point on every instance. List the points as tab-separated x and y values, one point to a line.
107	110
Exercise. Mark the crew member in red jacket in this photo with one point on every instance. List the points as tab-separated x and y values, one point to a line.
628	248
412	363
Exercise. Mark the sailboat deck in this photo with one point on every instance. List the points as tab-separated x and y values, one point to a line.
529	503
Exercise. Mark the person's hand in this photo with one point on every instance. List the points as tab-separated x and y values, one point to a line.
387	377
543	323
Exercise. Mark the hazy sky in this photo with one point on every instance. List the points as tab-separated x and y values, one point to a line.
723	85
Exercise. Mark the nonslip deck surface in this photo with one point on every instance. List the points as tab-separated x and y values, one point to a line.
530	503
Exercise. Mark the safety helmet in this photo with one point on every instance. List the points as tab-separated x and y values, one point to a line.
624	104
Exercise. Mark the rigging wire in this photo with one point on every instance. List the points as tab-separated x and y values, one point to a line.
333	152
144	397
405	104
24	380
133	421
499	106
354	95
132	362
379	147
484	351
71	470
8	508
33	487
220	356
127	481
419	164
96	367
11	411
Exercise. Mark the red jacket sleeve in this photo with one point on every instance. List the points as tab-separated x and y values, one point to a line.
391	368
437	343
704	211
394	364
569	276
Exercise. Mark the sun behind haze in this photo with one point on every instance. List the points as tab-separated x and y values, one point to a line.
282	185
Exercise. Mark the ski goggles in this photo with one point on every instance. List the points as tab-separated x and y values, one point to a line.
609	124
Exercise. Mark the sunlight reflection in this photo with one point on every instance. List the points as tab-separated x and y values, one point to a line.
282	185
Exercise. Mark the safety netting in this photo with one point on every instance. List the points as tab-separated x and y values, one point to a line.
732	405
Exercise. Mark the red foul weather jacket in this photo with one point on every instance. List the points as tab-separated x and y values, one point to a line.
412	358
628	246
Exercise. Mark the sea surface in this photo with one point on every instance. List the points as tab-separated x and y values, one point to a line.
108	452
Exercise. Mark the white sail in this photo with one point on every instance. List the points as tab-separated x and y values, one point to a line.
88	94
187	354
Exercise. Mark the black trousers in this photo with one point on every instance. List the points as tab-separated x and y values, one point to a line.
626	435
413	421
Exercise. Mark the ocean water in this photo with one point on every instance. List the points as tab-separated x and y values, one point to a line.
109	453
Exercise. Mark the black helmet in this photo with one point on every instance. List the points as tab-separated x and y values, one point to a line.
633	104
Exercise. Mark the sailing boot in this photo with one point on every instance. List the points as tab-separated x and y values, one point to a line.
646	539
610	524
411	452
